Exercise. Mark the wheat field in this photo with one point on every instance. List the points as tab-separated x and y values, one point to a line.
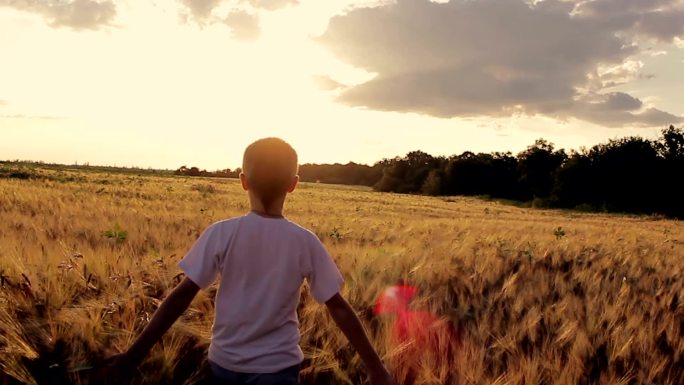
538	297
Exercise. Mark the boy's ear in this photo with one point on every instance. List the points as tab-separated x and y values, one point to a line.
293	185
244	182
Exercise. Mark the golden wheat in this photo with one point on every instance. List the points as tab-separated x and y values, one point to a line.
85	259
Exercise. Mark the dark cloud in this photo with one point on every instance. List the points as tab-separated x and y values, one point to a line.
494	58
662	25
243	25
76	14
607	8
617	109
659	19
620	101
655	117
606	116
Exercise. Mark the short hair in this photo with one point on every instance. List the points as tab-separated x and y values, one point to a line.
270	164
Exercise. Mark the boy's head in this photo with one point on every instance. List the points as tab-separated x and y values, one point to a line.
269	169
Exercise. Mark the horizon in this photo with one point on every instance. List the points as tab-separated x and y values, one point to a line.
78	163
193	82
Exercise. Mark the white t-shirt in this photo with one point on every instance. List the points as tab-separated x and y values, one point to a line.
262	262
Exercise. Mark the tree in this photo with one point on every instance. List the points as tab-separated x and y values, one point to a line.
505	176
671	143
350	173
407	174
433	183
469	174
671	148
182	170
537	166
626	177
574	182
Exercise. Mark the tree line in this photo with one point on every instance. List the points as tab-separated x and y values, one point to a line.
349	174
631	174
194	171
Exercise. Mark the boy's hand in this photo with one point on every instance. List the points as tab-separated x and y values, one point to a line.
117	369
380	376
345	317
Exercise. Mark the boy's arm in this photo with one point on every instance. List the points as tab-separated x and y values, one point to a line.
168	312
345	318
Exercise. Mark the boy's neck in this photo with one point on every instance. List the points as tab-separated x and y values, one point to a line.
267	215
275	210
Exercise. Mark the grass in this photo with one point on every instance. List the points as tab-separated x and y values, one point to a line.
539	296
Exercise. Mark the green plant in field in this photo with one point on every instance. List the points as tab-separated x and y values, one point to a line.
18	172
204	189
117	234
336	234
559	232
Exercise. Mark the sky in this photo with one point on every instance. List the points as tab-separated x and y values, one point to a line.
166	83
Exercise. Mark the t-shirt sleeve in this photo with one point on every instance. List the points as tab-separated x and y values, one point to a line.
201	263
325	279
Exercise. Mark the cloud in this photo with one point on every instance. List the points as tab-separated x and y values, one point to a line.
620	101
327	83
272	5
243	25
493	58
36	117
608	117
660	19
616	109
201	10
662	25
242	16
615	8
75	14
242	12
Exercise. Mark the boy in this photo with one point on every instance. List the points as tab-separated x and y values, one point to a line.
262	259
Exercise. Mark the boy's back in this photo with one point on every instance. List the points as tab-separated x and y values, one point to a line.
262	262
